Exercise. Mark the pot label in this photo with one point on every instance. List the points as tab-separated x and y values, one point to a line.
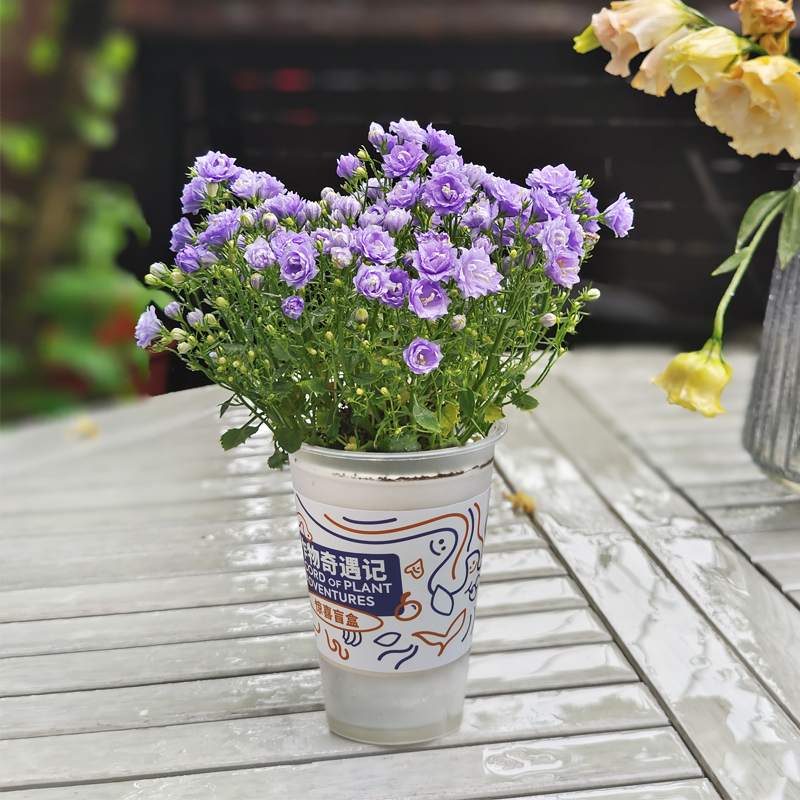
393	591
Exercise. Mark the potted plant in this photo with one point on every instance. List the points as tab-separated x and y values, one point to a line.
378	333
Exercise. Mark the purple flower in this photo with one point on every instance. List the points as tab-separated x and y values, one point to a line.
372	215
422	356
543	206
268	186
285	205
395	288
345	209
556	180
256	281
405	193
508	196
476	174
341	257
214	167
293	306
194	193
619	216
403	160
554	236
221	227
148	327
173	310
450	163
182	233
396	219
435	256
195	317
447	193
409	131
192	257
476	275
245	185
375	245
298	265
573	225
377	135
286	240
427	299
312	210
347	165
370	281
441	143
478	217
259	254
341	237
562	267
586	206
374	190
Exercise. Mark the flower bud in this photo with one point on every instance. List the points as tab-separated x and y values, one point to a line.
384	391
363	154
459	322
211	189
178	334
360	173
195	318
159	270
593	294
173	310
329	335
229	273
313	210
213	356
269	221
211	320
247	220
177	277
151	280
361	315
548	320
359	391
256	281
184	347
221	302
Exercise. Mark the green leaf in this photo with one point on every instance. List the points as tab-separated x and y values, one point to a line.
315	385
21	146
466	401
449	417
277	459
95	129
789	236
225	406
403	443
733	261
280	351
424	418
44	53
493	413
365	378
525	402
235	436
756	214
289	439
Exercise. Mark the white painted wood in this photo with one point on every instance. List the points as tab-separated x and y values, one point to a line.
287	692
742	735
257	654
478	771
723	583
795	596
769	546
758	519
785	572
149	594
746	493
253	619
295	738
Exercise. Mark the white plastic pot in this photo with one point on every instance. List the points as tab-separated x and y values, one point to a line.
393	545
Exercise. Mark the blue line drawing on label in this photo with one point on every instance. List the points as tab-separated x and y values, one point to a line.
352	638
412	647
369	521
469	625
389	639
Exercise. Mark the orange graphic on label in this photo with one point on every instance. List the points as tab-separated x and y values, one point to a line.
404	603
416	570
441	640
342	617
338	648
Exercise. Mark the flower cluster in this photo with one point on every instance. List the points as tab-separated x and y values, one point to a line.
400	313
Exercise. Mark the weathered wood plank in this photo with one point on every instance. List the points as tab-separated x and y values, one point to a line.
212	589
288	692
459	773
136	666
768	546
235	621
757	519
785	572
747	493
296	738
710	693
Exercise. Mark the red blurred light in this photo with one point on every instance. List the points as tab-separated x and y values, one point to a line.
303	117
290	79
248	80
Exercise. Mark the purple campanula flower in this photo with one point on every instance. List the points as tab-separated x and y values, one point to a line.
284	240
375	245
215	167
476	275
403	160
422	356
427	299
435	256
374	191
484	243
182	233
459	322
370	281
268	186
221	227
341	237
476	174
377	135
586	206
245	185
447	193
297	259
409	131
256	281
405	193
562	267
556	180
345	209
148	327
554	236
285	205
312	210
192	257
259	254
619	216
548	320
194	193
329	196
395	288
576	236
195	317
373	215
451	163
508	196
293	306
396	219
543	205
441	143
478	216
341	257
173	310
321	238
347	165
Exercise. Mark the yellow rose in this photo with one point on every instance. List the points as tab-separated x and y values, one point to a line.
632	27
696	380
702	57
757	105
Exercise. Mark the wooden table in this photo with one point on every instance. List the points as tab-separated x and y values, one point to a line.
639	639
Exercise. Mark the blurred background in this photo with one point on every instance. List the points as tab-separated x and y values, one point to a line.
105	105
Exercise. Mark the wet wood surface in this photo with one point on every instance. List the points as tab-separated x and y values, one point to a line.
156	640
